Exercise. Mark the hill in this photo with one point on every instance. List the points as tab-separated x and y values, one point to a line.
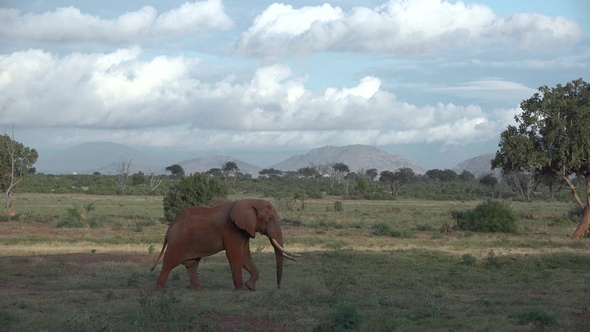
478	166
103	157
357	157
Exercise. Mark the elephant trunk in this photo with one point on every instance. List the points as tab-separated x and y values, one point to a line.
279	256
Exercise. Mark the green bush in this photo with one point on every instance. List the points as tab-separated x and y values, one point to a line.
382	229
70	223
196	189
490	216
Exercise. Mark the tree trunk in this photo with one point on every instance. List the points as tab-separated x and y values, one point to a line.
583	225
9	208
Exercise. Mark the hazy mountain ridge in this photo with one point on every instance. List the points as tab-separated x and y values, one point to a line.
478	166
105	157
357	157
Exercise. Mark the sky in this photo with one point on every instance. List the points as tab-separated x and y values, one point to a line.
435	81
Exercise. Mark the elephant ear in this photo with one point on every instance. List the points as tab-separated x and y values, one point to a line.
244	214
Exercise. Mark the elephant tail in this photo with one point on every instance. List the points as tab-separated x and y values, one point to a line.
160	256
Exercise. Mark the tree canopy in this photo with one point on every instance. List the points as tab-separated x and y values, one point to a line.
552	137
176	170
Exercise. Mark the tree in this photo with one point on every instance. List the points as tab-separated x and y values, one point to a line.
441	175
271	173
229	168
176	170
521	183
308	172
15	161
338	172
371	174
552	136
155	182
196	189
138	179
396	180
123	175
489	181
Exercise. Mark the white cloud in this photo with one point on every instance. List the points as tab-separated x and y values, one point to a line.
120	96
399	27
489	89
69	24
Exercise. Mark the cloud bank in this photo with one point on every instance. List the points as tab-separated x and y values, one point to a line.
69	24
398	27
119	91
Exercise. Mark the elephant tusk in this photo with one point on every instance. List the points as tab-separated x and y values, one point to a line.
287	254
289	257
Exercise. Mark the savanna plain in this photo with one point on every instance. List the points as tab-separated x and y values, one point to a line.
421	275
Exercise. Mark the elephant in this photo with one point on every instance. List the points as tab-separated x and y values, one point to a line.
200	231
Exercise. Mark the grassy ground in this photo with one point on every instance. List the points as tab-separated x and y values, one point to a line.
97	278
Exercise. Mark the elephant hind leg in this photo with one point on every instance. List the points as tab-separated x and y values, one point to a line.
191	268
171	260
161	283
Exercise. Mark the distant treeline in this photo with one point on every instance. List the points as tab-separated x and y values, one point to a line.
403	183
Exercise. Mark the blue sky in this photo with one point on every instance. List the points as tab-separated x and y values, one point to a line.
435	81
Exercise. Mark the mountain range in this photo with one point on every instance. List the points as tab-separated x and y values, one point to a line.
106	157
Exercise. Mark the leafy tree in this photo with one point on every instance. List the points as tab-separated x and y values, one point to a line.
371	174
396	180
176	170
196	189
15	161
441	175
489	181
466	176
271	173
215	172
138	179
308	172
229	168
338	172
552	136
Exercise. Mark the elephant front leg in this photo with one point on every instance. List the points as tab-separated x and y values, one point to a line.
191	268
251	268
236	261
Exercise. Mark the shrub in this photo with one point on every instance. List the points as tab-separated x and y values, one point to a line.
347	318
70	223
196	189
490	216
468	260
382	229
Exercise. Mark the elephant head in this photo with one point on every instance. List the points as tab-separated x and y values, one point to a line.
253	216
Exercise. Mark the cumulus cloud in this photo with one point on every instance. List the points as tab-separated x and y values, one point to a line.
69	24
160	101
399	27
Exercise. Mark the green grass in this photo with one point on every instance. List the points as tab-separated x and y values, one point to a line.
347	278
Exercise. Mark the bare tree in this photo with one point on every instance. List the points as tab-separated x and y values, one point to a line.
123	174
155	181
